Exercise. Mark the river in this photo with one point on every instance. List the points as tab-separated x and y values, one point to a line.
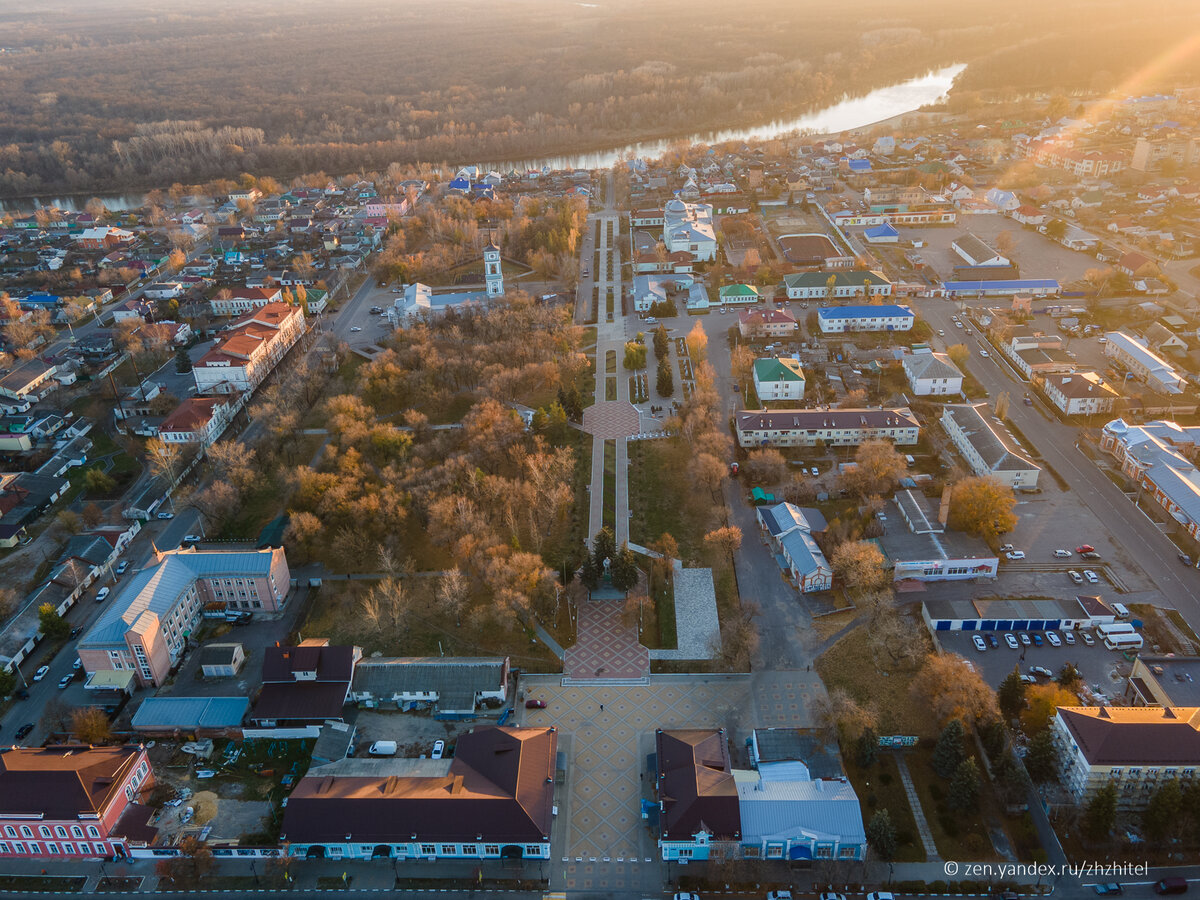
851	112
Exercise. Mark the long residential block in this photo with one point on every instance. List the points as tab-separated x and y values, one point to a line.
841	427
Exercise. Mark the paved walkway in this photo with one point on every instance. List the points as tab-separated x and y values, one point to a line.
697	625
606	647
910	789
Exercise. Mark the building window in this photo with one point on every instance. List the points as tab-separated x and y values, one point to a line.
533	850
469	849
19	848
491	849
448	850
69	849
774	851
93	832
10	831
428	850
684	853
846	853
52	849
824	853
76	831
60	831
44	831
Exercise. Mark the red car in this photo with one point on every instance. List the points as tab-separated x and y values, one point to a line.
535	704
1085	548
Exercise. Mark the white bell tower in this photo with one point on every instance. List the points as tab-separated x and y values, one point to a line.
492	272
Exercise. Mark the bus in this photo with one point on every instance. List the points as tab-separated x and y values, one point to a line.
1123	641
1114	628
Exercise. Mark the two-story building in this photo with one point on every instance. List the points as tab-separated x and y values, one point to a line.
1136	356
1079	393
757	324
145	626
840	319
1157	456
246	354
831	427
198	420
987	446
779	379
932	374
74	801
240	300
841	285
697	796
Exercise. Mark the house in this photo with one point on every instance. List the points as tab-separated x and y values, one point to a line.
30	380
163	290
74	801
304	685
453	686
739	295
1041	361
102	238
778	379
697	796
976	253
1134	354
222	660
651	289
145	626
1005	201
931	374
493	800
841	319
790	531
247	352
689	227
987	446
838	427
1079	393
1136	748
239	301
882	234
840	285
1155	455
1029	215
198	420
757	324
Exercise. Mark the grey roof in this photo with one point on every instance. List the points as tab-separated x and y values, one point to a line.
1005	608
89	547
456	680
219	654
930	365
919	513
824	810
189	713
400	767
974	248
804	744
157	587
993	444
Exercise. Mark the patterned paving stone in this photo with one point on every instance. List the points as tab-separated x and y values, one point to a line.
611	419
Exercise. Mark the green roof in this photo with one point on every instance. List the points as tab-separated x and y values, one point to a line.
852	277
739	290
778	370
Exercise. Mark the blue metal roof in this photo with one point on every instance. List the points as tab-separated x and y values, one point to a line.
863	312
1013	284
189	713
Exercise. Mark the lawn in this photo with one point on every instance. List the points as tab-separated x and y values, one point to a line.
958	835
334	611
610	484
662	498
32	883
879	787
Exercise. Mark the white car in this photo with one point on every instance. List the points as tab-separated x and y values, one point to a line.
1062	554
102	594
832	896
1011	641
41	673
439	748
979	644
941	333
1092	577
958	324
192	538
1068	637
1075	576
188	815
1054	639
1087	638
1015	554
166	515
983	353
356	328
122	567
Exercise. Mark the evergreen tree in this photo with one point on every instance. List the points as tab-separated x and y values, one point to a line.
589	573
949	750
866	748
1161	818
1100	814
183	363
992	736
881	835
1041	762
604	546
1069	676
661	342
666	380
964	787
624	569
1011	694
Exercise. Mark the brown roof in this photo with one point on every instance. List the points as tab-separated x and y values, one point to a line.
134	825
1121	736
191	415
809	419
296	701
63	782
696	786
282	664
499	787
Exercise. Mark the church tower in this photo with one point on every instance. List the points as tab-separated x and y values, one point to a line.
492	272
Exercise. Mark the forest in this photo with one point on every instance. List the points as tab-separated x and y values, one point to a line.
143	93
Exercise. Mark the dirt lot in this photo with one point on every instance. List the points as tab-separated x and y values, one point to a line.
414	732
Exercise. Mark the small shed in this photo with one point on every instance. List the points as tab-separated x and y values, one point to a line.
222	660
759	496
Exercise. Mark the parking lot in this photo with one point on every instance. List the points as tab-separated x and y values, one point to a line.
1103	671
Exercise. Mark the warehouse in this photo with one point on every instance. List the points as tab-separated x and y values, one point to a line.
1015	613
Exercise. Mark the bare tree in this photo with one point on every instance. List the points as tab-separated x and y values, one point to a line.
452	593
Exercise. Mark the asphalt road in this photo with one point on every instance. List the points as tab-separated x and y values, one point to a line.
1056	443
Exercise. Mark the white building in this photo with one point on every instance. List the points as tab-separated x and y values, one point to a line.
239	301
493	272
163	290
1079	393
198	420
987	446
688	227
839	319
247	353
976	253
651	289
1137	357
840	285
1155	455
838	427
932	374
778	379
766	323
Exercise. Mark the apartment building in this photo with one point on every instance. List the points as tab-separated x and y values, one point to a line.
145	626
838	427
1149	154
987	446
1079	393
246	353
778	379
1136	356
932	374
840	319
846	285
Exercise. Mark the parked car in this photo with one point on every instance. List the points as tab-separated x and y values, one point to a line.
166	515
1037	640
439	748
979	644
1085	548
41	673
1075	576
1015	554
1054	639
75	631
1185	559
187	816
65	681
992	640
1105	890
1062	554
1041	670
1025	638
832	896
77	665
102	594
779	895
206	773
356	328
1091	554
1011	641
24	730
983	353
124	564
1069	637
1087	638
174	801
535	704
1174	885
192	538
881	895
1006	547
1092	577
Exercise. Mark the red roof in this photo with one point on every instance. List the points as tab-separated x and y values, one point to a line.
191	415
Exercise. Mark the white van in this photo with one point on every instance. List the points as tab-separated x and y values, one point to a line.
1120	609
382	748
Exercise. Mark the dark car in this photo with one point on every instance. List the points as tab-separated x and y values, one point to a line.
1173	885
22	694
535	704
1185	559
24	730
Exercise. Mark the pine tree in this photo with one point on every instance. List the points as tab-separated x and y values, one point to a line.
1101	813
666	380
881	834
1011	694
1041	762
964	788
604	546
661	343
949	750
1161	818
624	569
866	748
